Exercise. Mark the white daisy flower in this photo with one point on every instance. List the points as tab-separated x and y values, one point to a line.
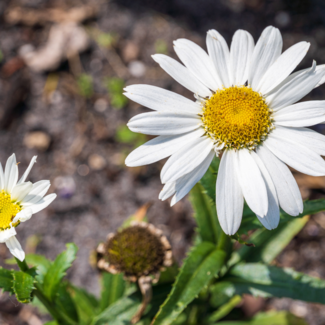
19	200
244	110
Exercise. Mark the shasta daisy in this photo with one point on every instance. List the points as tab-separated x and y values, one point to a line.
19	200
244	112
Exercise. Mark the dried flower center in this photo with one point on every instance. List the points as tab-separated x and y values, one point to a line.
237	117
135	251
8	210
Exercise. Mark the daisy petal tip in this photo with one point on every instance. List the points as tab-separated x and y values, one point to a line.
128	162
20	254
15	248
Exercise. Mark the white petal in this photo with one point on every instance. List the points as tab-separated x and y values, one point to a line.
161	100
38	191
320	67
6	234
229	197
43	203
295	87
282	143
301	114
186	159
20	191
198	62
286	187
271	219
23	215
2	178
156	123
168	190
251	182
160	148
219	53
182	75
15	248
11	173
268	48
282	67
241	51
307	138
30	166
184	184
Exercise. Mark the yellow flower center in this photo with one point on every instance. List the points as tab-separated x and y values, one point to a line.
8	210
237	117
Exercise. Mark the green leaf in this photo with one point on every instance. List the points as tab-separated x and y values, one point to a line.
269	318
221	293
87	305
53	322
125	135
120	312
250	220
57	270
269	243
85	85
42	264
201	265
6	280
205	214
65	303
169	274
113	287
115	89
310	207
23	284
225	309
270	281
209	180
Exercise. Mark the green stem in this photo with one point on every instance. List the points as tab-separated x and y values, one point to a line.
224	242
56	314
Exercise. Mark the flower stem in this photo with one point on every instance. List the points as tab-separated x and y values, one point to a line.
56	314
224	242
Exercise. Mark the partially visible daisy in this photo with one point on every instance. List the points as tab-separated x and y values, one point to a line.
19	200
245	113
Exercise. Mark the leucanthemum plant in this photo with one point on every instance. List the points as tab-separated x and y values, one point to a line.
245	112
19	200
232	143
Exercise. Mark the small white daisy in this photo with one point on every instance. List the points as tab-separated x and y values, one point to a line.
245	113
19	200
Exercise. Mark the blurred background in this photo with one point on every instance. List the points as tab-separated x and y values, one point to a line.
63	65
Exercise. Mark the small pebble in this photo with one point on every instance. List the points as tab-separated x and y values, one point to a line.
101	105
83	170
37	140
96	162
137	69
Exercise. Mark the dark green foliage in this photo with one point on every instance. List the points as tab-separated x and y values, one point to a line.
6	280
205	215
202	264
113	287
270	281
57	270
23	284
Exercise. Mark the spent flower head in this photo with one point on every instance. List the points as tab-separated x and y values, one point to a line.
136	251
140	252
244	112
